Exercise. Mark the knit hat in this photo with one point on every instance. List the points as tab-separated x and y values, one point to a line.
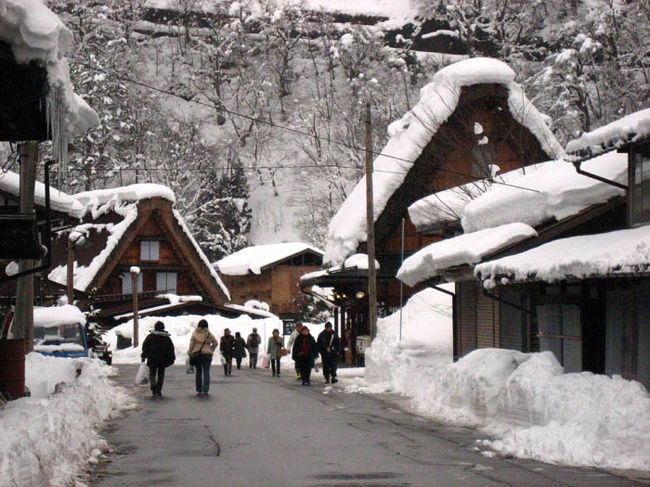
203	324
159	326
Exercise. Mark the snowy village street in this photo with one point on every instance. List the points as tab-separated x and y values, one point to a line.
257	430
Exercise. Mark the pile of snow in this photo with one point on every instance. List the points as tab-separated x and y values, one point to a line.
58	315
625	131
34	32
411	134
48	439
426	345
604	254
254	259
468	248
554	190
181	328
100	201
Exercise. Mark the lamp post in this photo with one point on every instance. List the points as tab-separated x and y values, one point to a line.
135	272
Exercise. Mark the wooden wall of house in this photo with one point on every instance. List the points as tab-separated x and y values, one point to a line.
285	288
627	349
249	286
413	241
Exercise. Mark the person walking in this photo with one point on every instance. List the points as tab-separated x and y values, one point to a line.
253	345
202	347
239	349
158	351
304	352
227	349
273	347
292	339
329	347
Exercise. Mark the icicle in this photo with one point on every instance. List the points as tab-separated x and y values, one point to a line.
56	126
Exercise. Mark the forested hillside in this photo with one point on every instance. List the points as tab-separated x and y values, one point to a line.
252	111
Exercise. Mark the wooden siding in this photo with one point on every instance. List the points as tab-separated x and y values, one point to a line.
512	326
466	299
487	320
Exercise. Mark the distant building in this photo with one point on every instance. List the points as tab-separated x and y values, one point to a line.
270	274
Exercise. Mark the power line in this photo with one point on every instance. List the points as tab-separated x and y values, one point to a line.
295	131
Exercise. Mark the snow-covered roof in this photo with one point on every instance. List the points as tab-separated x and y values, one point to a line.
468	248
59	201
554	190
34	32
123	202
355	262
449	205
255	258
601	255
99	201
411	134
58	315
250	311
627	130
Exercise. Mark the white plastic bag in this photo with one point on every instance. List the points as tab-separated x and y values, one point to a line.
223	359
142	376
189	368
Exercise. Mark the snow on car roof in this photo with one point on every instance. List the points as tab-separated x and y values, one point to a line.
58	315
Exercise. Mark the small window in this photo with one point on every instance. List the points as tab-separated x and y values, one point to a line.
150	250
127	283
639	193
166	281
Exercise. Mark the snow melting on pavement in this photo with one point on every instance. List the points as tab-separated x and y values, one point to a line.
49	438
524	402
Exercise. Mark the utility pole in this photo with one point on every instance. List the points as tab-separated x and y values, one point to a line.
70	272
370	219
135	272
24	317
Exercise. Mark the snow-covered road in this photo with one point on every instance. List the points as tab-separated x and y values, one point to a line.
258	430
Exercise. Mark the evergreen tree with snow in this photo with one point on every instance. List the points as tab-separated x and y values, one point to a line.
223	218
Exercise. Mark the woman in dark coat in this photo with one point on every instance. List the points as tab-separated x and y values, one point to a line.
227	349
158	351
304	353
239	349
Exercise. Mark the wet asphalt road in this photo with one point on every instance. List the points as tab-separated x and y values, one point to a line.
257	430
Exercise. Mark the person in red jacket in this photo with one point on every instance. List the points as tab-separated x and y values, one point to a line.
304	353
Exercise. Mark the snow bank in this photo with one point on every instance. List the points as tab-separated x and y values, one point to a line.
604	254
181	328
48	438
107	198
410	135
426	345
554	190
625	131
253	259
468	248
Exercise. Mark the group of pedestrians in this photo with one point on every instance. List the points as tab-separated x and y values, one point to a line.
158	351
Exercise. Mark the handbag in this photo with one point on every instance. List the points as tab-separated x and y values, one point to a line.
194	356
282	352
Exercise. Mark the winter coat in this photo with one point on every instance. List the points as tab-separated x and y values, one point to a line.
272	347
328	344
239	348
253	342
227	346
304	348
158	349
200	336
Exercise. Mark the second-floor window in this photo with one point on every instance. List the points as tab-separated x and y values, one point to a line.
150	250
166	281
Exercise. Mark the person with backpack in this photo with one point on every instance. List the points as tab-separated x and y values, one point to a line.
239	349
253	345
202	347
273	347
304	352
329	347
227	349
158	351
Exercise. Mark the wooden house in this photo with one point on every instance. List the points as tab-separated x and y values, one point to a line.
134	226
270	274
563	266
470	119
